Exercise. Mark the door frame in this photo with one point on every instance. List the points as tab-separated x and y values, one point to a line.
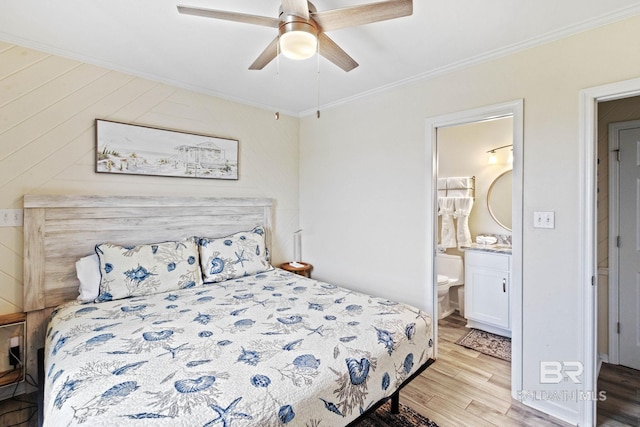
587	163
515	109
614	231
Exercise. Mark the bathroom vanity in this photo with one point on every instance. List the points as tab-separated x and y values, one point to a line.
487	288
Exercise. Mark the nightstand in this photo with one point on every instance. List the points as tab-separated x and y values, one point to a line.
12	333
305	270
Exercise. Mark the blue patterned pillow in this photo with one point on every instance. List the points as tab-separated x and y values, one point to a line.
147	269
231	257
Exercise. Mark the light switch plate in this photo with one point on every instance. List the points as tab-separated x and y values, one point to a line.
544	219
10	217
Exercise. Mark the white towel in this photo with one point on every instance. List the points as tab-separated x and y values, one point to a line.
442	183
460	193
447	232
459	182
463	207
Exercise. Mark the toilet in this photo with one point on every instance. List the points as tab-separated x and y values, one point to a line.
450	269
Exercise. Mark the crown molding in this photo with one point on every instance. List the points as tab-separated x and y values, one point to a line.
590	24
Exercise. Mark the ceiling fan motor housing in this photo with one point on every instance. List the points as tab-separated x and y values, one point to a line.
298	37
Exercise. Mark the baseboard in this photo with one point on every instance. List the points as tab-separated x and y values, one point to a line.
602	358
555	410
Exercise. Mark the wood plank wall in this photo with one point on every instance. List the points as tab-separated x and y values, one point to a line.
48	105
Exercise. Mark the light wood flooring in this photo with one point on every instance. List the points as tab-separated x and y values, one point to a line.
467	388
462	388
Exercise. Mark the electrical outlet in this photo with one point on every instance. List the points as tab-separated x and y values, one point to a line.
544	220
14	351
14	356
10	217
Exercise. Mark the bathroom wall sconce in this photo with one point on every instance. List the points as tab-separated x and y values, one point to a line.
493	159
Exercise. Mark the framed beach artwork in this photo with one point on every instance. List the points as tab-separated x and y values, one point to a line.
142	150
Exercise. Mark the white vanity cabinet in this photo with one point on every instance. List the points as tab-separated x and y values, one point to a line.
487	291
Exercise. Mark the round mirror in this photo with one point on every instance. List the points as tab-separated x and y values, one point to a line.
499	199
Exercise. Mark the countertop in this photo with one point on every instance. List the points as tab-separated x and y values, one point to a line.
499	249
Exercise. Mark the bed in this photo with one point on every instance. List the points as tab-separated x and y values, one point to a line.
257	347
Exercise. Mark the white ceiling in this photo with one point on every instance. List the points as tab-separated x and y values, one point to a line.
149	38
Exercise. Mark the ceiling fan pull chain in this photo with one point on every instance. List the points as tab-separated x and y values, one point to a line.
278	96
318	80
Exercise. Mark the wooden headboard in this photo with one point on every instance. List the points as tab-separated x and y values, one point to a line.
58	230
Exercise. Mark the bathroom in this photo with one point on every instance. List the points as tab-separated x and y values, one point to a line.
475	161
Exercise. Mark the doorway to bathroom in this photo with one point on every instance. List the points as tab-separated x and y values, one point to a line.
474	212
481	148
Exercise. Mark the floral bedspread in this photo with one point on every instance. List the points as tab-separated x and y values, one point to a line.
266	350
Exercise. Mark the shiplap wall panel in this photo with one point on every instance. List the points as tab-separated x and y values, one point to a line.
16	58
49	68
48	107
47	103
23	87
153	95
5	46
48	132
8	266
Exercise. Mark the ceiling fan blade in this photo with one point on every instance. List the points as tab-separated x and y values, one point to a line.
266	56
296	7
334	53
230	16
363	14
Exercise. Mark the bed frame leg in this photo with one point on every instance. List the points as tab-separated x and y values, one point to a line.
395	403
40	386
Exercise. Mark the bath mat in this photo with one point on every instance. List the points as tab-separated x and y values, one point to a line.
406	418
487	343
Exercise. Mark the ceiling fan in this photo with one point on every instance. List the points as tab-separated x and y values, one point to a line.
302	27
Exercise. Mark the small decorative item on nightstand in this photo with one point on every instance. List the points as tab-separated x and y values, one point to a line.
301	268
297	246
12	333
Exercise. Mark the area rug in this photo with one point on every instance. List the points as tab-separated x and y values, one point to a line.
487	343
406	418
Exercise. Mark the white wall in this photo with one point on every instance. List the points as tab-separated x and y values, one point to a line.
48	105
363	185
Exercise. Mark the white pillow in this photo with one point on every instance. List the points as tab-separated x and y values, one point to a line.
88	272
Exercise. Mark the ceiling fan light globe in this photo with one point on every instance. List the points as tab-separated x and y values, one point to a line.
298	44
